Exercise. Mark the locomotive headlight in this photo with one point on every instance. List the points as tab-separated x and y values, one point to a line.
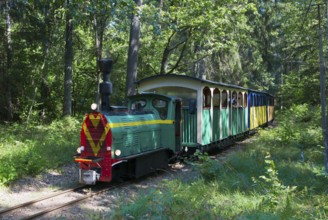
94	106
118	152
108	148
80	149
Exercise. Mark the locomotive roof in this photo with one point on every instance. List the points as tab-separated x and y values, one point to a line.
159	77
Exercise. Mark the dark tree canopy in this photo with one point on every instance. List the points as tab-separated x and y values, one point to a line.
265	45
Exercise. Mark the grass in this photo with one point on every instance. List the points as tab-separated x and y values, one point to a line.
278	176
252	184
29	151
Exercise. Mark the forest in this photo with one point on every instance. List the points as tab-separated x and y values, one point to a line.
49	77
49	49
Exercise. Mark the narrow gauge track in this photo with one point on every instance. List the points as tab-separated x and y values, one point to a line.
39	207
30	210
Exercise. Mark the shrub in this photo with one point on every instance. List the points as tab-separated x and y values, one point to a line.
37	148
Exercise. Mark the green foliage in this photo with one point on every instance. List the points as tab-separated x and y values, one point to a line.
29	151
299	126
266	45
273	189
232	38
208	168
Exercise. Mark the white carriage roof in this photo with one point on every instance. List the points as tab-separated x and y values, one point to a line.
196	80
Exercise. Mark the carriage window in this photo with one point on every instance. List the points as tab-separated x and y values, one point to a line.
260	100
138	105
224	99
207	97
216	98
245	100
240	100
161	106
263	101
234	100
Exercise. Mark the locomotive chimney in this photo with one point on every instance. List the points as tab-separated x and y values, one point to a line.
105	88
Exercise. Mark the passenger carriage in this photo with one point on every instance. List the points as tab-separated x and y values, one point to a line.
212	112
261	109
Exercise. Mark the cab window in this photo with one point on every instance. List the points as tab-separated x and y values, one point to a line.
161	106
138	105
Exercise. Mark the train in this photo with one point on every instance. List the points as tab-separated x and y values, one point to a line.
170	117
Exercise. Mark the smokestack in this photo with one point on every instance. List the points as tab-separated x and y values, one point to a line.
105	88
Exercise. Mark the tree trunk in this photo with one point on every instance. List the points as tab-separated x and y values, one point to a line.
133	51
165	61
166	54
323	95
67	110
160	4
99	32
9	50
45	90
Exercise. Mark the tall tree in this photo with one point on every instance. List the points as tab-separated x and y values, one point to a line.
67	107
323	94
9	61
133	50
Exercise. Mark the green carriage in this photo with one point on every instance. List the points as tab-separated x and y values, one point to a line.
212	112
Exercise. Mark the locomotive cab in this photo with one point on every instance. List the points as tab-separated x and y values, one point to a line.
167	111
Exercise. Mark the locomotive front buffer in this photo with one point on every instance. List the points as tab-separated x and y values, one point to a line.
91	175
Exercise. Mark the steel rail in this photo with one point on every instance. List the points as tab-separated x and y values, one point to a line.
73	202
39	200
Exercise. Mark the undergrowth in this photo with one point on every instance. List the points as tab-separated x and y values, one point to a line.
29	151
279	175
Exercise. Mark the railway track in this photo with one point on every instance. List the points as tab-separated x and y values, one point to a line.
39	207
